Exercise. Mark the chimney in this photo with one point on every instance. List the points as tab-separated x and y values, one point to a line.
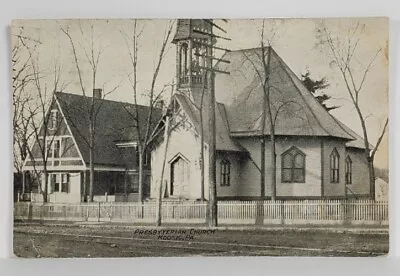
98	93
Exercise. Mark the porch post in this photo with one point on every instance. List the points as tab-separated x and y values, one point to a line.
84	185
23	182
126	185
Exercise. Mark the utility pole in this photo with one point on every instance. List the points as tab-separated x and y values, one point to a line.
213	208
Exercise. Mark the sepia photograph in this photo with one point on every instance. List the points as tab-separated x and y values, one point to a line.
200	137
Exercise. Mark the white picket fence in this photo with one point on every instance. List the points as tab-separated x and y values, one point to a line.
316	212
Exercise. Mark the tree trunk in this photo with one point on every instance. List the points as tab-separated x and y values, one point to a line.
371	177
141	174
46	184
91	163
161	189
262	166
273	166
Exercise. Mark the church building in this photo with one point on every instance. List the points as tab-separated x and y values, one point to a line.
317	156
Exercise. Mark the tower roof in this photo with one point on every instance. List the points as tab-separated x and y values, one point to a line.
185	29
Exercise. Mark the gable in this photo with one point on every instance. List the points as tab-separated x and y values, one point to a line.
56	140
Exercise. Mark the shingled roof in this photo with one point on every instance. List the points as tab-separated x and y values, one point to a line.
223	140
115	122
358	142
298	112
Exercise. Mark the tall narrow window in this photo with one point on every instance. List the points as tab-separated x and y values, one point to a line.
57	147
53	119
293	166
65	182
225	173
349	164
184	59
334	166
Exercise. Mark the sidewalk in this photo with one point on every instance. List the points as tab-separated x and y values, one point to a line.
356	229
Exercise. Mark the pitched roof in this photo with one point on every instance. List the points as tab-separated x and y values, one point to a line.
185	29
223	140
358	142
298	112
115	122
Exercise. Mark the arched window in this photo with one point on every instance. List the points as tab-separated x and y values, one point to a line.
334	166
348	172
293	166
225	173
184	59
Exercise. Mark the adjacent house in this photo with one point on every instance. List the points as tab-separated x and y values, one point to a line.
316	155
67	154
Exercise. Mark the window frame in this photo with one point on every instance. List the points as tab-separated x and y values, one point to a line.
50	150
225	173
293	152
59	182
349	170
334	172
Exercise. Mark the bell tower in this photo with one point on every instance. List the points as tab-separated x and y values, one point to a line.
192	51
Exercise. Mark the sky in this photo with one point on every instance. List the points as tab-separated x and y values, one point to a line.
295	40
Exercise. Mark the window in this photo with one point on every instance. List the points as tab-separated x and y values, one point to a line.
53	150
53	119
56	149
64	183
225	172
59	182
147	158
184	59
348	172
134	181
334	166
293	166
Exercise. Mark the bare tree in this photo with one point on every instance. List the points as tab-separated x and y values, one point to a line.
144	131
92	52
343	51
273	103
22	77
263	75
44	130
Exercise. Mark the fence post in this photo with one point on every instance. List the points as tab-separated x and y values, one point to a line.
98	214
29	211
344	205
282	211
106	196
18	195
87	212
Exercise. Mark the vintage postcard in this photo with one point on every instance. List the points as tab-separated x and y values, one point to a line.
211	137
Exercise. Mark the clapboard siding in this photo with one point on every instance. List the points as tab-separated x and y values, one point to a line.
360	175
250	177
